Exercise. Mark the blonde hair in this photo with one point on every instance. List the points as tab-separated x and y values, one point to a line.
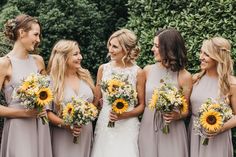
57	67
219	49
129	44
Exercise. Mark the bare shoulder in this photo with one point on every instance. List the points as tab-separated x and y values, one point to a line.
140	72
38	58
100	68
233	85
195	77
4	64
233	80
146	69
185	75
99	72
40	63
4	70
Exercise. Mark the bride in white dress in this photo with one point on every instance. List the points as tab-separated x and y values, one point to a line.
121	140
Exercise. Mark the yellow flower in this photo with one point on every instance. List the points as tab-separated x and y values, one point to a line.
154	100
184	106
113	85
68	110
211	121
120	106
25	86
44	96
214	106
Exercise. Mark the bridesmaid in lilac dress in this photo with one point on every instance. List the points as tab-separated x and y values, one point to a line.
170	54
24	135
69	80
214	81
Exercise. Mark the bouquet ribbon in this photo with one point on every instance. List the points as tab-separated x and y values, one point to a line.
157	123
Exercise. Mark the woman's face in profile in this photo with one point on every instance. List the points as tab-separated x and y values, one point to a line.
31	39
115	50
207	63
74	61
155	49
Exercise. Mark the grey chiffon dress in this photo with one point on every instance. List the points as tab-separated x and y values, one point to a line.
218	146
152	141
62	139
23	137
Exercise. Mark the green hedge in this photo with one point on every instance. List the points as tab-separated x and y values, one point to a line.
196	20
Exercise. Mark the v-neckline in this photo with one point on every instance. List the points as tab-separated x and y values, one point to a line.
76	92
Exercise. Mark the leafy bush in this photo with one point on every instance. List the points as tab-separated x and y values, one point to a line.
196	20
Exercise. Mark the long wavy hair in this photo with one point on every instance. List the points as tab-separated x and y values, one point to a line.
57	68
219	49
172	49
129	44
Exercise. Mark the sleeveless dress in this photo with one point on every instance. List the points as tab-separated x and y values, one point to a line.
152	141
122	140
62	139
220	145
23	137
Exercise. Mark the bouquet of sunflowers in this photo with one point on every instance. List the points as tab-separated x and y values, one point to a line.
79	112
211	117
120	94
168	98
34	93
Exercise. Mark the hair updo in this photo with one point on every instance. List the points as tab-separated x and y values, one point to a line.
128	42
22	21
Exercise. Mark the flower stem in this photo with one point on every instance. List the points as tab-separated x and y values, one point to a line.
166	129
205	141
44	120
111	124
75	140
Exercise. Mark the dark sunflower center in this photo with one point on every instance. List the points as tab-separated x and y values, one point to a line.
119	105
211	119
43	95
69	111
114	87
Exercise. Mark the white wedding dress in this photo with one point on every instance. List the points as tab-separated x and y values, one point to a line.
122	140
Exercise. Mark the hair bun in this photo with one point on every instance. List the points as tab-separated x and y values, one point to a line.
10	27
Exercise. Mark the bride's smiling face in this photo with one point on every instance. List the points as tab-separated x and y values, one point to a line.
116	51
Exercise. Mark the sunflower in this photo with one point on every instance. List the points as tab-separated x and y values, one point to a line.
154	100
44	96
113	85
184	106
25	85
211	121
68	110
120	106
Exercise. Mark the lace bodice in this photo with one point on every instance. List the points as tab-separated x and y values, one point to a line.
130	72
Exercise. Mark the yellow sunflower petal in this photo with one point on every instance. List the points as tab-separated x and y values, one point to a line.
68	110
214	106
154	100
113	85
184	107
